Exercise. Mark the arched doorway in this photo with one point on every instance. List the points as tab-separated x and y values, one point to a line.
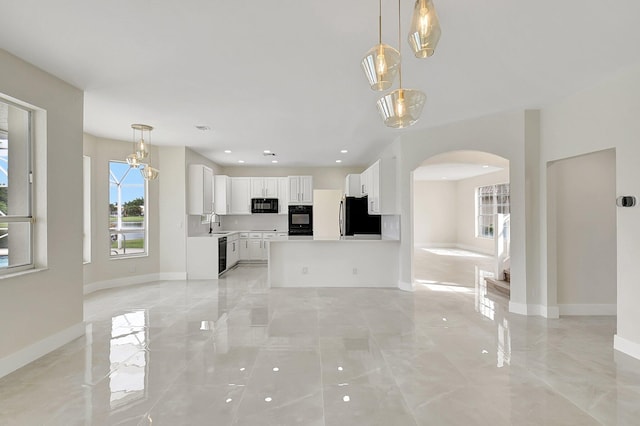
461	218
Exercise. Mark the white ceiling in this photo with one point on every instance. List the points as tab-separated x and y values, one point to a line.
286	76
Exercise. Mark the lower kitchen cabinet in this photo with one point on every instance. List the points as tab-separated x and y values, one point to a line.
233	250
244	248
255	249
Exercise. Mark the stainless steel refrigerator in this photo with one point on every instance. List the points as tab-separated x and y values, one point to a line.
355	219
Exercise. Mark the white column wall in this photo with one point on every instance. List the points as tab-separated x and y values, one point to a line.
500	134
172	212
603	117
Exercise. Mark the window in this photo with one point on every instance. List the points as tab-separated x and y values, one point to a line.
491	200
16	221
86	209
127	219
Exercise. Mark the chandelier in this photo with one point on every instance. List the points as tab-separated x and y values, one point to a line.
141	156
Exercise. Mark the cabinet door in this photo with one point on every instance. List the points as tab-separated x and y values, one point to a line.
374	197
255	249
200	190
244	248
207	185
294	190
257	187
230	262
222	194
270	187
240	199
283	196
364	182
306	189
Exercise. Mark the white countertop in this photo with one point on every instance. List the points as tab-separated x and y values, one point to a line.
227	233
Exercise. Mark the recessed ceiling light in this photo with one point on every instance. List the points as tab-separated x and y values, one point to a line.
344	151
227	151
485	166
338	161
266	151
443	177
240	161
274	161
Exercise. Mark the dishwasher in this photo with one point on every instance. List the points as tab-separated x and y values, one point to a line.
222	254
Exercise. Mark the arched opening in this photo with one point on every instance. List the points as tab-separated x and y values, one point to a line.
461	222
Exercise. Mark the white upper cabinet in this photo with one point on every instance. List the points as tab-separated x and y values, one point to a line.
222	192
201	190
264	187
300	190
378	182
352	186
283	195
240	195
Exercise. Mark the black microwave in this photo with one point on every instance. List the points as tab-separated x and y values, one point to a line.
264	205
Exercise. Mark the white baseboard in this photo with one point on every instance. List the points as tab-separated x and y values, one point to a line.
585	309
120	282
518	308
626	346
552	311
36	350
534	310
172	276
202	277
402	285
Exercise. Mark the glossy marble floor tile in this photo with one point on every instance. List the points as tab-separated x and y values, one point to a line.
234	352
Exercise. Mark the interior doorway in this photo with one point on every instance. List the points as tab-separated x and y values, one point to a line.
461	218
581	235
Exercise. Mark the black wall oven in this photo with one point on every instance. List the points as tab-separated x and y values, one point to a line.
300	220
264	205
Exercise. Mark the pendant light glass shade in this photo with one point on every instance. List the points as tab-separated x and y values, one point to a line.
149	173
380	65
133	161
382	62
401	108
424	32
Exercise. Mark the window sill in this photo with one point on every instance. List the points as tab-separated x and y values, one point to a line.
130	256
20	273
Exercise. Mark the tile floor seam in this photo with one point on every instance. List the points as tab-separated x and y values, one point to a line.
395	381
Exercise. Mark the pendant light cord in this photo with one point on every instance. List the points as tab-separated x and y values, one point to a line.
380	22
399	47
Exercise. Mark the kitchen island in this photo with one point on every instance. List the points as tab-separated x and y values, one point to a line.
344	262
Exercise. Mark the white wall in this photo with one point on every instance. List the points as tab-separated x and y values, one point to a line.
602	117
40	311
172	212
466	212
103	269
435	207
585	221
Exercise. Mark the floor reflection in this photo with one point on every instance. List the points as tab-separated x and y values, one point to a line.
128	358
464	272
